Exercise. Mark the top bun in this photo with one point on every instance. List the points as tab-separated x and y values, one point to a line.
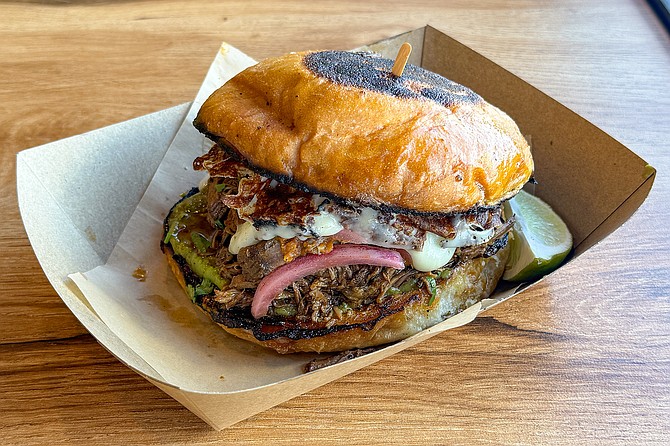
339	123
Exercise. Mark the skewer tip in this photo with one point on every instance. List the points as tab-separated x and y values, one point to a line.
401	59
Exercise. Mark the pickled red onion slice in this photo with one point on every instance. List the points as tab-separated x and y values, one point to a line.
349	236
273	284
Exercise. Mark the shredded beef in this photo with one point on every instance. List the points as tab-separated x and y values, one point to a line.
330	293
497	242
256	198
484	219
233	297
257	261
216	208
319	363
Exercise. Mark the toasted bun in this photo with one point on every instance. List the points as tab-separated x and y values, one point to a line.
470	282
339	123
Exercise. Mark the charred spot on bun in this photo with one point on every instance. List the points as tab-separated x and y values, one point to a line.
345	207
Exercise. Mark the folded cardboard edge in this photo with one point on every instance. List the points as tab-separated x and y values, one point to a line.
390	45
621	211
620	215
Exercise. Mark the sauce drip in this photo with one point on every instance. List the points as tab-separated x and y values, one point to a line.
140	274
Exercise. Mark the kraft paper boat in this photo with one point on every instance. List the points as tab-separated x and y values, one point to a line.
93	206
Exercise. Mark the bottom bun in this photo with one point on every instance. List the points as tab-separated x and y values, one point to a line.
470	282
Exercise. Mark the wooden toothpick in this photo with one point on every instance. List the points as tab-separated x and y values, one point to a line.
401	59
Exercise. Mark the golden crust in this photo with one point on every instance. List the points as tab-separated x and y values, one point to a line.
469	283
366	145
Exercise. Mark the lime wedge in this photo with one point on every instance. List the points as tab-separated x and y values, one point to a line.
539	240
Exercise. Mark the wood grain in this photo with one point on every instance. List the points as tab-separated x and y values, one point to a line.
583	358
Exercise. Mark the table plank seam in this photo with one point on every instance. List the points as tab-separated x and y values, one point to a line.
44	341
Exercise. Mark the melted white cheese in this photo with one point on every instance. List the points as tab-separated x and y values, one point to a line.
325	224
246	235
467	236
433	255
437	251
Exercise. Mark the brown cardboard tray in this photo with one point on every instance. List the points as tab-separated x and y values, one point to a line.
105	193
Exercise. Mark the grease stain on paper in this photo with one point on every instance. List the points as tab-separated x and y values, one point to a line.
177	314
90	234
185	317
140	274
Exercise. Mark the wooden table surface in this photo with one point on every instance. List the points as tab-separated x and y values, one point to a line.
582	359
